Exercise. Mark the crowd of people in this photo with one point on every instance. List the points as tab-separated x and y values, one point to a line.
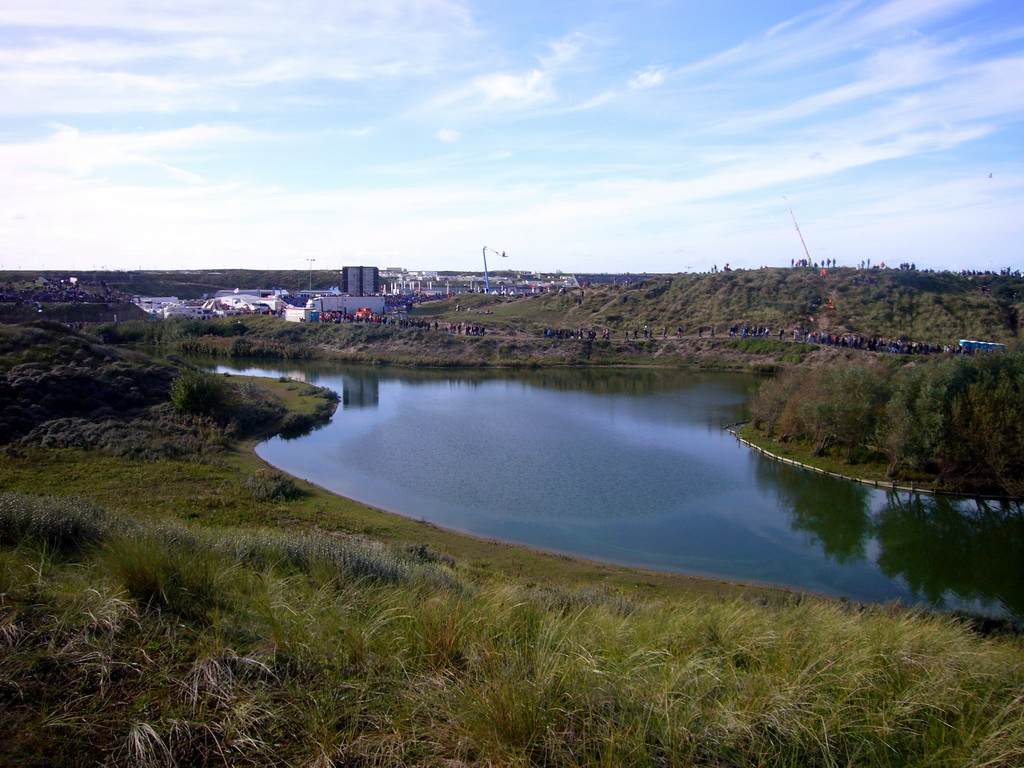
465	329
851	341
845	341
452	329
877	343
70	291
589	334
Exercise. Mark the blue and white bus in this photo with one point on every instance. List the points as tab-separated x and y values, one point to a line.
982	346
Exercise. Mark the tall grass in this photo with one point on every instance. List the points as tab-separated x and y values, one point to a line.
159	645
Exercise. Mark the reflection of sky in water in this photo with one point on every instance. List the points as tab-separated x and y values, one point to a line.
519	453
641	473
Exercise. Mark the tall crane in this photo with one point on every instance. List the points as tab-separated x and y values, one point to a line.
487	280
806	252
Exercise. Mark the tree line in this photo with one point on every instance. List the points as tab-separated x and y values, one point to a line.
956	419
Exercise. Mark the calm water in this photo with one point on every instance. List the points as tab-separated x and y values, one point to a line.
634	467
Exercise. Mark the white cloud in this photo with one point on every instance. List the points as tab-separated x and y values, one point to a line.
335	111
77	167
828	34
529	87
191	55
648	78
562	52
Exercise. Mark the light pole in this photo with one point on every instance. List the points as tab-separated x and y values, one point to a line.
487	280
311	273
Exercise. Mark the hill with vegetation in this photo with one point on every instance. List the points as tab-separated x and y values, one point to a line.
938	307
188	607
187	284
679	320
920	306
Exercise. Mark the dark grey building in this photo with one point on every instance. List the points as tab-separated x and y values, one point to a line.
360	281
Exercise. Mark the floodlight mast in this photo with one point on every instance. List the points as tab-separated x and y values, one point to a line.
311	274
487	280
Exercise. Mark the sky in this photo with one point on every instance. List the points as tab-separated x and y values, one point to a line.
581	135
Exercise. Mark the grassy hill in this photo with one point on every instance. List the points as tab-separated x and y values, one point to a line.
189	284
189	608
130	641
921	306
13	313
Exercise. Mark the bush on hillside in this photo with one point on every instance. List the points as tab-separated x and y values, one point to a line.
268	485
32	394
203	394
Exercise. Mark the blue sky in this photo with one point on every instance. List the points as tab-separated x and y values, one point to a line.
577	136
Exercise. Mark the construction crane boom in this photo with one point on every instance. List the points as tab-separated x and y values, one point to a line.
801	234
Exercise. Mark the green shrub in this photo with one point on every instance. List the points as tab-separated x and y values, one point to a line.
188	581
203	394
268	485
62	525
297	424
254	410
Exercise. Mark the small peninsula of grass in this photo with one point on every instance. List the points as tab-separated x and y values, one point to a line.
870	468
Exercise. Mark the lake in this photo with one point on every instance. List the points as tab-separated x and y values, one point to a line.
634	467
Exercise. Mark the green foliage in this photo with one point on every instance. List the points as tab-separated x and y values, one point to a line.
158	433
175	575
18	338
203	394
253	410
297	425
260	648
984	440
957	418
58	524
72	393
131	332
32	394
771	401
270	485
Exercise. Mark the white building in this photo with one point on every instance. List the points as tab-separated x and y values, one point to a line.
301	315
187	310
254	301
155	304
347	305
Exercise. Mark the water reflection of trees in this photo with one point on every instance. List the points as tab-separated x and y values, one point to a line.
630	381
937	545
361	383
589	380
837	515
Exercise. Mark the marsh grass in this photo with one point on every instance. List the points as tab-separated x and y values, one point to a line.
158	644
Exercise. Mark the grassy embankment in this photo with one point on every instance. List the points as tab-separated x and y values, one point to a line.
923	306
132	638
890	304
12	313
141	642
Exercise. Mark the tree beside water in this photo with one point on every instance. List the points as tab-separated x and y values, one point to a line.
955	420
